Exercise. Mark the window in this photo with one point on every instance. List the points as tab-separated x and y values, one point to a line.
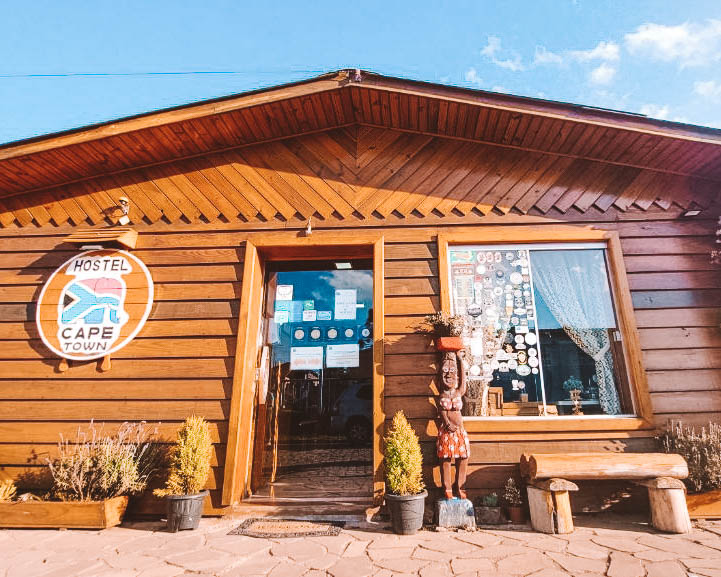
543	334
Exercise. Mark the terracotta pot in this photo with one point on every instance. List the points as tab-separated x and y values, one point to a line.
449	343
516	515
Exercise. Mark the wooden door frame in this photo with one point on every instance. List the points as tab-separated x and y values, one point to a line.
291	246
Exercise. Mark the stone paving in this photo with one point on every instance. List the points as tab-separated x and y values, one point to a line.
601	545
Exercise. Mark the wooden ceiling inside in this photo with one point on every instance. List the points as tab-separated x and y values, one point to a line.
353	174
555	143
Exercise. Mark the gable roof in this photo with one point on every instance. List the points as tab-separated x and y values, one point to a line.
340	99
583	156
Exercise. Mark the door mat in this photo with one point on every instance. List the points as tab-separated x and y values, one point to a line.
279	528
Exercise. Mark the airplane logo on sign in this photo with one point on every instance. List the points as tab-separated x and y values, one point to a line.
91	313
85	300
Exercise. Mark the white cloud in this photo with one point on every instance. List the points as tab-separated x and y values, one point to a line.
603	51
655	111
690	44
603	74
492	51
707	88
472	77
544	56
606	51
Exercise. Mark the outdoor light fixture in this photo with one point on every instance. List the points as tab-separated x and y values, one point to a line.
124	202
691	213
343	265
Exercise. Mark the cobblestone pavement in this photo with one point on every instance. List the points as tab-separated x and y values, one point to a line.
610	546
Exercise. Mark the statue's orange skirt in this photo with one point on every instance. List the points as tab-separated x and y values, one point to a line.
452	444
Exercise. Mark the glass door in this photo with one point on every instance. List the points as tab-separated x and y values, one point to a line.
314	412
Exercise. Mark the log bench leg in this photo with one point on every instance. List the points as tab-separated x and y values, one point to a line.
667	500
540	504
564	519
550	506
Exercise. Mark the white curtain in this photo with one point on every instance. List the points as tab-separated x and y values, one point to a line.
574	285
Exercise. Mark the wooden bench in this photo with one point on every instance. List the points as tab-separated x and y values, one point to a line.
550	479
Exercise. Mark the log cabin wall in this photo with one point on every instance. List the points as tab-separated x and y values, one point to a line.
194	215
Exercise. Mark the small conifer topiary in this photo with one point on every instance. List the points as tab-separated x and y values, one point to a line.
189	460
404	463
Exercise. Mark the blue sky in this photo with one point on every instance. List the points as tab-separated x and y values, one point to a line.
661	58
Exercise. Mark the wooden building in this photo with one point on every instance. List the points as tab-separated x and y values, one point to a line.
413	187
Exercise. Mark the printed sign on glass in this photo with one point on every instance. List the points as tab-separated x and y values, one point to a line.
94	304
345	304
306	358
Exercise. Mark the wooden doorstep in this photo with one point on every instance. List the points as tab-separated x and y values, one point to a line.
63	514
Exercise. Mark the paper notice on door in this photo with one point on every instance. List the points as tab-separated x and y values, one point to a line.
284	292
281	317
309	316
345	304
306	358
296	311
339	356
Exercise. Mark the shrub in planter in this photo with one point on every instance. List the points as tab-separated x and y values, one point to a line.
91	479
405	494
95	466
702	451
188	472
514	501
488	510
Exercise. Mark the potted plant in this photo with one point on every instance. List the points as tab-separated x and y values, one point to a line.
702	451
91	479
514	502
488	510
187	474
446	331
405	493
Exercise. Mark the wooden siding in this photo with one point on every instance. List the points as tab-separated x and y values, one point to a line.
182	361
180	364
194	217
352	174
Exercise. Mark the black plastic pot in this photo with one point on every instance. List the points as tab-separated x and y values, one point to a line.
406	512
185	511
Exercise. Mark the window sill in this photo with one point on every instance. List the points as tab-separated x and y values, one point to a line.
554	423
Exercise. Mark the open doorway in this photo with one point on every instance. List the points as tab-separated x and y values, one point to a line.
314	408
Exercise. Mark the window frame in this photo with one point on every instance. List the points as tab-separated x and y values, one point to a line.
623	304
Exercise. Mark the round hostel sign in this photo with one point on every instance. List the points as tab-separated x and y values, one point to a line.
94	304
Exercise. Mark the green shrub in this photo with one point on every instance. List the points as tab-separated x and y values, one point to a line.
490	500
94	466
189	459
403	460
701	450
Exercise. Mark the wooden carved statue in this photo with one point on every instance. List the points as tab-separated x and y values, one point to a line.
452	443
